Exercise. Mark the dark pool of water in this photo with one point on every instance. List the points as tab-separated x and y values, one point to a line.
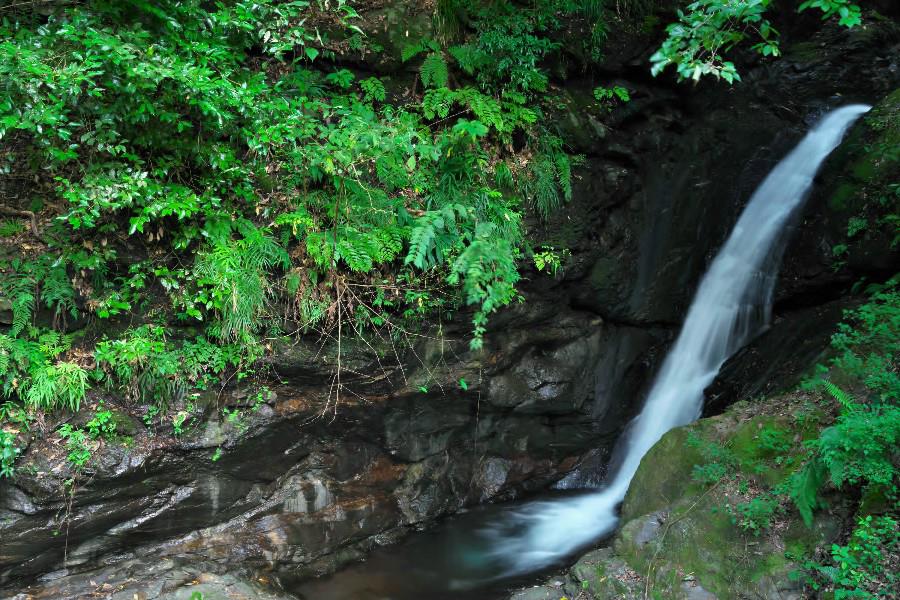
455	560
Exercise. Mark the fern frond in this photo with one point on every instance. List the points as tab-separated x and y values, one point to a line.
390	172
57	291
373	88
468	57
23	310
438	102
62	385
421	242
434	71
486	109
804	486
390	243
356	251
5	355
842	397
503	176
410	51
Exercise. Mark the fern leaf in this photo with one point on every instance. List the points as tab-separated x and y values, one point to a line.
467	57
804	489
356	251
485	108
412	50
22	309
57	292
842	397
5	355
421	242
373	88
437	102
434	71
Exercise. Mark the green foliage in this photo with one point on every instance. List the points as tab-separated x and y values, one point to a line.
140	366
77	445
178	421
547	182
868	344
9	452
102	425
434	71
9	228
512	41
864	567
232	281
506	54
61	385
550	259
803	488
755	515
846	11
858	450
235	418
147	367
853	455
256	183
773	441
696	43
373	89
608	97
718	462
257	186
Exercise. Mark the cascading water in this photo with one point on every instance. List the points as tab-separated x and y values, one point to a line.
731	305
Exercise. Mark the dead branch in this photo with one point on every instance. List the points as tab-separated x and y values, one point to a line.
15	212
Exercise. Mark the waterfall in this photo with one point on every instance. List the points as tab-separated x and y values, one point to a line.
732	304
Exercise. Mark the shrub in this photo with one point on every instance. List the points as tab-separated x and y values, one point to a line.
864	567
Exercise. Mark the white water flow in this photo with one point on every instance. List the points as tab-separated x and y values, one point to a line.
732	304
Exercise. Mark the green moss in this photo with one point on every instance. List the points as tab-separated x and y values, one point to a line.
804	52
841	197
677	531
125	425
653	489
864	167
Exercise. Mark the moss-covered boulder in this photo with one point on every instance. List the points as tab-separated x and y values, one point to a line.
687	531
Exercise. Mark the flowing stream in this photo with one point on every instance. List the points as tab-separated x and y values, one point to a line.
732	304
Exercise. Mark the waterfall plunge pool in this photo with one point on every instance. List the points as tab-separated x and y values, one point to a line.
457	559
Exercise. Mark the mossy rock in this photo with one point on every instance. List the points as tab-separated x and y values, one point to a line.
598	575
125	424
605	576
678	536
652	489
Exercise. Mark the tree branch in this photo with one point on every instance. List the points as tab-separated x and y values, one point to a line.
15	212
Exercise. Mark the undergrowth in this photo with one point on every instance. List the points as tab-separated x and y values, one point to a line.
848	448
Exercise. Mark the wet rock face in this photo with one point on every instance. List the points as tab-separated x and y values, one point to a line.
779	358
844	236
299	485
667	175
